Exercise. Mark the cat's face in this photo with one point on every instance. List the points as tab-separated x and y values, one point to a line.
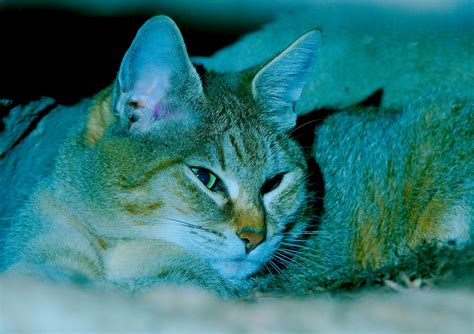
247	190
230	196
205	163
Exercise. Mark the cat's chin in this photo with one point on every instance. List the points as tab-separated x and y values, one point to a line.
235	270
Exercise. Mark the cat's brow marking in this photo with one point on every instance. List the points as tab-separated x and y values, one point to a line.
221	156
234	145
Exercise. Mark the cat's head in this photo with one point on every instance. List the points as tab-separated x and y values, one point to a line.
206	163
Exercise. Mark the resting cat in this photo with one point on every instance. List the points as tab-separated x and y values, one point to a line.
173	178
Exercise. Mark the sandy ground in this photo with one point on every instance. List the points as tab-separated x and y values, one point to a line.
29	306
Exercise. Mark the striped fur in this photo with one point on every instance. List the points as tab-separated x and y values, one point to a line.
122	206
393	181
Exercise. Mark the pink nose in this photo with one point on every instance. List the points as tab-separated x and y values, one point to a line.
251	237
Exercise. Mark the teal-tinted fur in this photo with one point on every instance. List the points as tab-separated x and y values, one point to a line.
128	203
393	180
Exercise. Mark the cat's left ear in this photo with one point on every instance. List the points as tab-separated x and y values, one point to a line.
278	85
156	78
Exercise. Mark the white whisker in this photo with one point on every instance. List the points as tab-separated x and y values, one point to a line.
279	271
291	261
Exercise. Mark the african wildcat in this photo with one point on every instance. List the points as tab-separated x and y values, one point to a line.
176	178
172	177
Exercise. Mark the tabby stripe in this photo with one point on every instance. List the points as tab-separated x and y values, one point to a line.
221	156
75	262
138	208
237	151
147	175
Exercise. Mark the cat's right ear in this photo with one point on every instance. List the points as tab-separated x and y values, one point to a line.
155	77
278	85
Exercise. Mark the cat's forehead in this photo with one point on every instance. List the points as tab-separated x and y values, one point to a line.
250	150
234	134
230	105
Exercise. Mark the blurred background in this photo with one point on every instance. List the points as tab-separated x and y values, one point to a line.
69	49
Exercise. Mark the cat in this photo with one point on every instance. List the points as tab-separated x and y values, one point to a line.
394	177
173	178
180	179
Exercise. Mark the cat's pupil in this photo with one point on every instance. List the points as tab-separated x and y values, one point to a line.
204	176
271	183
207	178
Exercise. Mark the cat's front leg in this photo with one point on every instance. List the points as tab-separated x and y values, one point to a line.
54	273
138	265
57	259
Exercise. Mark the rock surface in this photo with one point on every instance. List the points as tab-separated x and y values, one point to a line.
366	48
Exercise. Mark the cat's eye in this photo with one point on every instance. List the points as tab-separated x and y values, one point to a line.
207	178
272	183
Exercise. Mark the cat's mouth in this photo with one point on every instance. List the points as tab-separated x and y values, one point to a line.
238	269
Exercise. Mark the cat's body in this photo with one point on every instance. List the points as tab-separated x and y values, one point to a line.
173	178
394	180
73	226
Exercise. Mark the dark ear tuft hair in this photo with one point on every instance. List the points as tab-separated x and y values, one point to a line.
200	69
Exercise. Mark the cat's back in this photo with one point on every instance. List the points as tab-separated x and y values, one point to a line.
394	179
31	159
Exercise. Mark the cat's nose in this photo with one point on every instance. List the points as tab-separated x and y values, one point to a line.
252	237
